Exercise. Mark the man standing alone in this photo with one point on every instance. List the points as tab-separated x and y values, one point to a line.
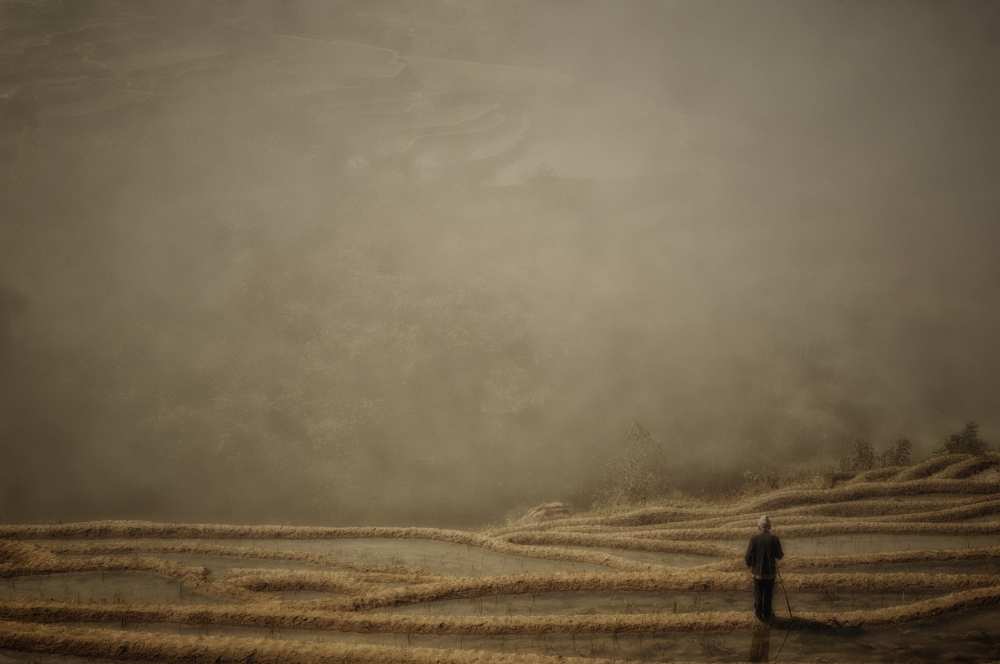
763	553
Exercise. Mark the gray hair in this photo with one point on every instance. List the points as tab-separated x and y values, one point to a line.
764	522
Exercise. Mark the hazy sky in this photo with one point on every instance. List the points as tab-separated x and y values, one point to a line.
426	262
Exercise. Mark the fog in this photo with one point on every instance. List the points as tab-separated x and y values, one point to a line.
393	262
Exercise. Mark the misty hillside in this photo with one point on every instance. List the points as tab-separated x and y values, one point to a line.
385	263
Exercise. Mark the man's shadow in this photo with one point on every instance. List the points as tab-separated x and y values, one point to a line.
760	644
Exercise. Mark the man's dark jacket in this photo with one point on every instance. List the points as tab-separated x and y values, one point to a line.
763	552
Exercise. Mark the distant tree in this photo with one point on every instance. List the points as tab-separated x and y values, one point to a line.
638	473
898	454
860	457
966	441
763	477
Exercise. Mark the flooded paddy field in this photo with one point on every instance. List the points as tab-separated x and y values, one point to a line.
967	637
983	566
444	558
877	543
115	587
435	557
584	603
218	565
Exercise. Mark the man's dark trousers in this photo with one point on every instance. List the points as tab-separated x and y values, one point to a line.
763	593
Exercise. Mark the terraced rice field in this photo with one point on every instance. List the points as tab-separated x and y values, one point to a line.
902	568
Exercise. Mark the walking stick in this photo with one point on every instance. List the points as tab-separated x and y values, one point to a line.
788	605
784	590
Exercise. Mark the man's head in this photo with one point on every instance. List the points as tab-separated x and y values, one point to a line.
764	523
